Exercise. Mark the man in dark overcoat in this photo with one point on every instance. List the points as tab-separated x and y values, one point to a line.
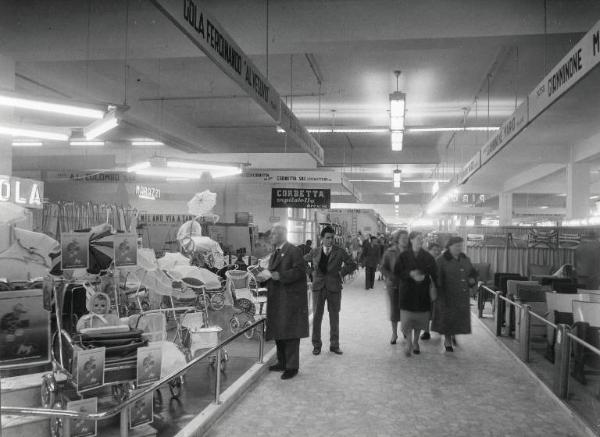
287	302
371	256
330	264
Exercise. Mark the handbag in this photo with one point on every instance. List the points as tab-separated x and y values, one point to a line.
433	294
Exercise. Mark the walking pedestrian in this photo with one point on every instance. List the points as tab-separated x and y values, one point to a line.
416	273
456	275
398	245
331	263
287	302
371	256
434	250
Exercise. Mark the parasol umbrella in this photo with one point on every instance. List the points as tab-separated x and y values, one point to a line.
204	276
202	203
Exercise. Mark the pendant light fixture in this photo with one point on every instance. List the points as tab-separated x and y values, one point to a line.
397	112
397	178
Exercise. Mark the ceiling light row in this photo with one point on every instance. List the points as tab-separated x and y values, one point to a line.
83	142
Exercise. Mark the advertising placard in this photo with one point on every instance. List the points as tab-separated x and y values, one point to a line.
470	167
511	127
141	411
74	250
89	368
125	250
300	198
24	329
149	363
81	427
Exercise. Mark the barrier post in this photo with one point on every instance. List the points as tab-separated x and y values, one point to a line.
562	356
124	422
497	314
524	333
66	426
261	344
218	380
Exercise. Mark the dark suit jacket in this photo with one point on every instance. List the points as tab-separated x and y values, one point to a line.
371	254
340	264
287	300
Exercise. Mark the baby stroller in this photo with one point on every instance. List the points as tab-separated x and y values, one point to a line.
246	296
87	357
198	335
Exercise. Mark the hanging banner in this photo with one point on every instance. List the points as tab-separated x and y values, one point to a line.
103	177
300	198
511	127
192	18
470	167
28	193
580	60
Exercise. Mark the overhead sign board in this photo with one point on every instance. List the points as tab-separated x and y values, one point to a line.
470	167
28	193
580	60
193	19
300	198
511	127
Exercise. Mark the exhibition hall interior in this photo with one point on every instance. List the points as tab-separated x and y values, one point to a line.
186	185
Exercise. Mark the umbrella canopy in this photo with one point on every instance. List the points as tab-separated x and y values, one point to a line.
204	276
202	203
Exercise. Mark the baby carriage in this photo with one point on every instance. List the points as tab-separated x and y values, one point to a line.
98	351
198	335
246	296
206	284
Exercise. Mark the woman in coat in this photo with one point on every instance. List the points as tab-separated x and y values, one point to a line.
399	245
416	271
456	275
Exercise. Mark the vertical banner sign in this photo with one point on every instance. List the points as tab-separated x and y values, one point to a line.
192	18
580	60
300	198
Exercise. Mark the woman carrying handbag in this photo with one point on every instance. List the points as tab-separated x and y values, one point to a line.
416	273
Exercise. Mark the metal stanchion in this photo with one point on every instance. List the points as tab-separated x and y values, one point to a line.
497	314
562	357
524	333
261	344
124	422
66	427
218	380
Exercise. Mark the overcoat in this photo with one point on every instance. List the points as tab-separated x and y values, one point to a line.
287	300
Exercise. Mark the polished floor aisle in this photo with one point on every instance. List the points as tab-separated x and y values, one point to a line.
374	390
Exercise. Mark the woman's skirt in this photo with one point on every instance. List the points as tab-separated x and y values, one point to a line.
415	319
394	303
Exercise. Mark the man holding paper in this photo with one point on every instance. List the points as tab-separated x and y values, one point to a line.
287	302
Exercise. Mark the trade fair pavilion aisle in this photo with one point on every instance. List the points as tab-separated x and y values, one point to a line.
374	390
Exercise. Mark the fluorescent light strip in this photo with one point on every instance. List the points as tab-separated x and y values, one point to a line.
34	132
139	166
99	127
215	170
27	144
147	143
414	130
38	105
86	143
341	130
403	180
168	173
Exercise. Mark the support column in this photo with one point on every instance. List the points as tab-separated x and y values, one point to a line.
505	208
7	83
578	190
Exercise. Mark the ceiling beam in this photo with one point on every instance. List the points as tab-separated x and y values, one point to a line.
529	176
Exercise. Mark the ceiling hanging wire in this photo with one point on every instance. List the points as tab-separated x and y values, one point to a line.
516	76
267	38
545	36
125	66
87	47
488	107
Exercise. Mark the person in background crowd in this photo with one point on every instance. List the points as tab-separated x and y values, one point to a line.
587	261
415	271
331	263
287	302
306	247
399	244
355	246
370	259
451	315
241	265
434	250
382	248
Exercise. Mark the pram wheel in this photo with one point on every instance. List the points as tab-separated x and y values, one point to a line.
175	387
217	301
121	392
48	390
250	333
246	306
202	302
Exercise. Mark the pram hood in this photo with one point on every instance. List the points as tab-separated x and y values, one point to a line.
208	279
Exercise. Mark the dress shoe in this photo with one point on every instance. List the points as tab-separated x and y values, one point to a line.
394	339
416	350
425	336
336	350
449	349
316	350
276	368
290	373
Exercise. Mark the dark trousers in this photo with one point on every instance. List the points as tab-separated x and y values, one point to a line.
369	277
333	300
288	353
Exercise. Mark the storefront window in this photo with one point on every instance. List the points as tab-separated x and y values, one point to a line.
300	226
